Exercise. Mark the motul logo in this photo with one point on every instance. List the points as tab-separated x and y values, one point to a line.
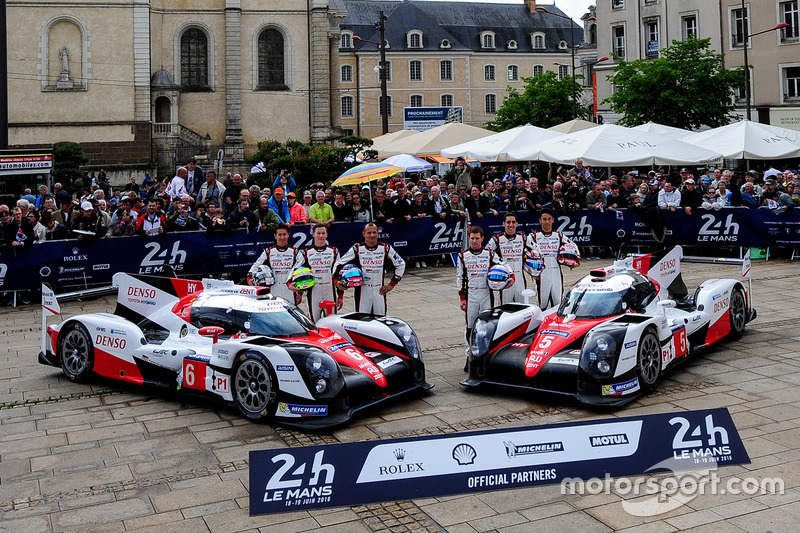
608	440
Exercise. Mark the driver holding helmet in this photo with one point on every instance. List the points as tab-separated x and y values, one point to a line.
550	281
281	259
372	257
321	259
512	247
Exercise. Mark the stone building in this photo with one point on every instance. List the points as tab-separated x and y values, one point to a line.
143	82
446	54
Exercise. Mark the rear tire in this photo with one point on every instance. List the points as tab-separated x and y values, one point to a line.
254	386
76	351
738	313
649	361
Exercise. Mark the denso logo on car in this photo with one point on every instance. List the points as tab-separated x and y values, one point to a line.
141	292
110	342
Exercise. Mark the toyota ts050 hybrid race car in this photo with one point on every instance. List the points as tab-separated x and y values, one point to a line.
616	331
243	346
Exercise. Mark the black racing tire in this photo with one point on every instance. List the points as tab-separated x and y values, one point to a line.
648	360
76	352
255	387
738	313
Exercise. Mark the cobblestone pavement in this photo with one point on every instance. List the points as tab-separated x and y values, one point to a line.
100	457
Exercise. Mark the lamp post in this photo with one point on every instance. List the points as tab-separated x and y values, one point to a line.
541	9
382	70
746	63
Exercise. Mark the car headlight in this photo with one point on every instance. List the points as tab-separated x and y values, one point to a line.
598	355
406	336
319	370
482	335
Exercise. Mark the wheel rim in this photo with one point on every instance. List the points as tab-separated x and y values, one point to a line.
737	311
649	362
76	352
253	386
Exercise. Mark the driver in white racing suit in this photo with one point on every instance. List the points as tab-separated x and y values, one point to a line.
281	258
371	257
321	259
550	281
511	246
472	279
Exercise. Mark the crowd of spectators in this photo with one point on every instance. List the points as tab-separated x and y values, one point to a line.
196	200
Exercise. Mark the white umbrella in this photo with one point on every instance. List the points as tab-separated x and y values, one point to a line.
382	141
574	125
749	140
432	141
409	162
661	129
496	147
611	145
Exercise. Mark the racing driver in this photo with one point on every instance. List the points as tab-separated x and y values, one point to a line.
511	247
371	257
321	259
281	258
550	281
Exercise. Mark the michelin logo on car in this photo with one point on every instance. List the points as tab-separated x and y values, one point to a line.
621	388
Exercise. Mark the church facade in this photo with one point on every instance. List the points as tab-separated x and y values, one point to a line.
152	82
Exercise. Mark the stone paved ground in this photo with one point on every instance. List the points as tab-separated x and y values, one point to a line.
103	458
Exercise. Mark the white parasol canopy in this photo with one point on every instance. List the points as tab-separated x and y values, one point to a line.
572	126
611	145
432	141
749	140
496	147
661	129
409	162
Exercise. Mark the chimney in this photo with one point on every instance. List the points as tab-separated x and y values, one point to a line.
531	5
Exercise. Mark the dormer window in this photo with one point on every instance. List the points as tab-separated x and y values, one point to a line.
512	45
562	45
346	40
445	43
414	38
487	39
537	41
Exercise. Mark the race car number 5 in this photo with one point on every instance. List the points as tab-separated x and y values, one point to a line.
194	374
681	344
545	342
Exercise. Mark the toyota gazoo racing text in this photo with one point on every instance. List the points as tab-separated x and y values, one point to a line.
616	331
241	345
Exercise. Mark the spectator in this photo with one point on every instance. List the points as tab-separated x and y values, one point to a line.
242	217
573	199
749	196
125	223
595	199
53	230
438	206
180	217
195	178
462	173
211	189
523	203
669	199
320	212
360	211
267	217
341	211
711	200
133	186
231	194
43	193
616	200
217	222
723	194
418	209
28	196
152	221
39	230
16	229
691	197
456	206
88	226
285	181
296	211
308	201
382	209
279	205
101	208
61	195
477	205
177	185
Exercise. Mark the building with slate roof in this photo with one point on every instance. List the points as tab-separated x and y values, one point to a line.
445	54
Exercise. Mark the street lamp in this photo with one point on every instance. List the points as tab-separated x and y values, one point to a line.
541	9
746	64
381	69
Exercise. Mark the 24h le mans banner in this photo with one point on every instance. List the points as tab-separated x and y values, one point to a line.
386	470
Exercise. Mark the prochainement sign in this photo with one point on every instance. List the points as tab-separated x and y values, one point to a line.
362	472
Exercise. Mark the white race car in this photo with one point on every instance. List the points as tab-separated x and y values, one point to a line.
241	345
616	331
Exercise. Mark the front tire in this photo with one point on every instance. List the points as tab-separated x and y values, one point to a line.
76	352
738	313
649	361
254	386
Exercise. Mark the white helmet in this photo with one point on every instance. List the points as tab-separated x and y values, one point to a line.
568	255
500	277
263	276
534	263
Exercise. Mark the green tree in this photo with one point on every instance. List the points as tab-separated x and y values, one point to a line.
67	159
359	145
308	162
686	87
544	101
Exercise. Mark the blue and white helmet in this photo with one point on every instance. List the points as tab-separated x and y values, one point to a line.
263	276
500	277
534	263
351	276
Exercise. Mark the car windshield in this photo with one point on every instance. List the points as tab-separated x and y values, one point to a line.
276	319
588	303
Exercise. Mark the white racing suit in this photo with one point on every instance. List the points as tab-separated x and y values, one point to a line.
372	262
321	261
551	282
471	278
512	251
282	262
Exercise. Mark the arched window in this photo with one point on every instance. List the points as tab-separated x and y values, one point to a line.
194	59
491	104
271	61
414	39
347	106
163	110
487	39
346	40
537	41
347	73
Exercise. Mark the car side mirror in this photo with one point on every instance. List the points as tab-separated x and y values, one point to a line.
211	331
528	294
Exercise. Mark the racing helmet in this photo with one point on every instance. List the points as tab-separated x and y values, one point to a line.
350	276
262	276
534	262
568	255
302	278
500	277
